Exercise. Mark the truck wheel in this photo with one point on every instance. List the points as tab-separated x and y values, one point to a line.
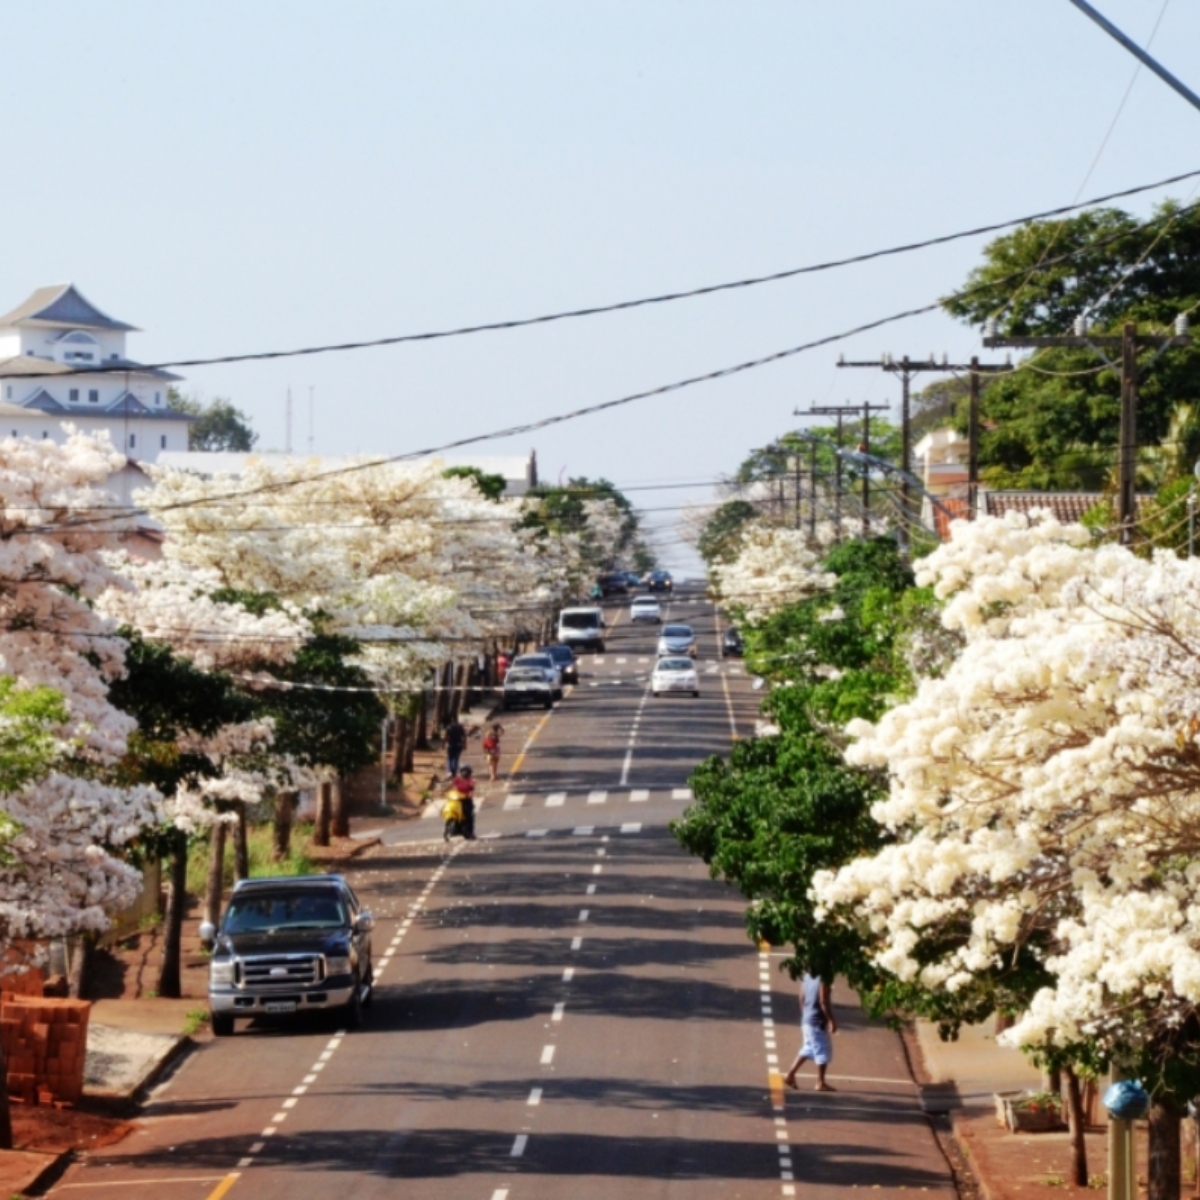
222	1024
548	704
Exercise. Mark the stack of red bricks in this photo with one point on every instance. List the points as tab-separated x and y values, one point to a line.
45	1045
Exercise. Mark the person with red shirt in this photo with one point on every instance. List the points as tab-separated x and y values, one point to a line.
464	785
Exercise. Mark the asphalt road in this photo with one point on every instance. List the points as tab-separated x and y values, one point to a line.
567	1007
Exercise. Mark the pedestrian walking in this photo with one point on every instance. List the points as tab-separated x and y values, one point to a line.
464	785
817	1023
456	743
491	749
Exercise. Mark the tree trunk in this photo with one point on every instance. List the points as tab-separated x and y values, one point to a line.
241	847
339	811
1164	1168
170	974
77	967
400	748
6	1133
285	810
423	723
216	874
321	824
1079	1166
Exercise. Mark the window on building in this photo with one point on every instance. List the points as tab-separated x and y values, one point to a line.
74	394
132	440
93	395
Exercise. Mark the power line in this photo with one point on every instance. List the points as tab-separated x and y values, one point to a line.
623	305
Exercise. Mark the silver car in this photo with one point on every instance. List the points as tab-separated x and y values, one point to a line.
677	639
548	667
677	674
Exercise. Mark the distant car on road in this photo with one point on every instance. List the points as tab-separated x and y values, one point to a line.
677	639
674	674
527	685
613	584
731	643
645	608
546	664
659	581
633	579
582	628
564	660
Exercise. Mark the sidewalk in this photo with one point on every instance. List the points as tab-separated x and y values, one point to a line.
960	1079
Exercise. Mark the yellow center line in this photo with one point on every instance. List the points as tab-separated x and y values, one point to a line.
528	742
121	1183
223	1187
775	1082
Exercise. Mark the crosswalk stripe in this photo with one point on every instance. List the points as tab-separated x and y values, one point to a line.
632	827
681	793
556	799
536	832
584	830
638	795
597	797
516	800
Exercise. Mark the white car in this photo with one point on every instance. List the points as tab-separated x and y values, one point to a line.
645	608
547	666
675	674
677	639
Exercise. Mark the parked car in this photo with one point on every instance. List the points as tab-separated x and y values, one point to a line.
527	685
613	584
548	667
582	628
289	945
674	674
677	639
731	643
645	608
564	660
660	581
633	579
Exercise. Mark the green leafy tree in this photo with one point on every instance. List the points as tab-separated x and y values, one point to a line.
218	424
721	537
785	806
492	486
1054	425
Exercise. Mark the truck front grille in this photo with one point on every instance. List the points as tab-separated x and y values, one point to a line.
270	972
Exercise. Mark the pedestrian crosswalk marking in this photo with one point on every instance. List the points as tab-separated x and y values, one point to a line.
556	799
681	793
516	800
597	797
639	795
584	830
536	832
632	827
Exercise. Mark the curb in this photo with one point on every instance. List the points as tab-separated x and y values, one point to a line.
50	1166
121	1102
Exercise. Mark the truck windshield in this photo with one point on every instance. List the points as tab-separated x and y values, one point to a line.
579	620
284	910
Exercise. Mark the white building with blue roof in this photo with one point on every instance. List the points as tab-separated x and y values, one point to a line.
63	360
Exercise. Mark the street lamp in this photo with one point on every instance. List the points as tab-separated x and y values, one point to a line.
1191	507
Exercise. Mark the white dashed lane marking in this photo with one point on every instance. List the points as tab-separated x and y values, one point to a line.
516	800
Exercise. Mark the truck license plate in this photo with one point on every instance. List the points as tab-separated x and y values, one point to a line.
280	1006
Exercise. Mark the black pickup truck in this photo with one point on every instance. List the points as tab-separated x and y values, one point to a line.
290	944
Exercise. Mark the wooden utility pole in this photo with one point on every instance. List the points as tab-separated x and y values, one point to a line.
1128	342
841	412
907	368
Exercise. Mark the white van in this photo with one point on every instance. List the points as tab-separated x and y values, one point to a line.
582	628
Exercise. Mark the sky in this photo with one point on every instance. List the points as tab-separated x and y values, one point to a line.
234	178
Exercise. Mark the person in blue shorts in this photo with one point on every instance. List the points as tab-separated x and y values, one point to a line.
817	1025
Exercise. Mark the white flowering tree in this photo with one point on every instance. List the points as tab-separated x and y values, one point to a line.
773	569
1044	801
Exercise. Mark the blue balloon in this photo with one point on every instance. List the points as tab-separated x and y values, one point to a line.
1127	1100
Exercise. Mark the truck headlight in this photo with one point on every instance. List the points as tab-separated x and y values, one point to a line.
337	966
220	972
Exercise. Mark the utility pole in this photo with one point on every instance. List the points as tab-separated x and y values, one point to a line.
907	369
1128	342
841	412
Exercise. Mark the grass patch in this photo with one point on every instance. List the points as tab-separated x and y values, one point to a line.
259	844
195	1020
